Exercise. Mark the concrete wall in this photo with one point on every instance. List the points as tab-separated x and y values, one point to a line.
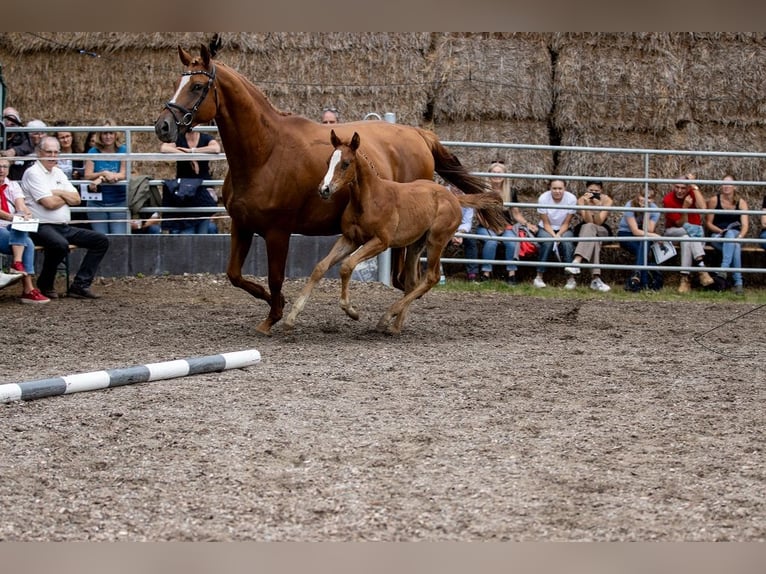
177	254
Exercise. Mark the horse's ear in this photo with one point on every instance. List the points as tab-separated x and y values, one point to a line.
184	55
354	145
205	53
334	140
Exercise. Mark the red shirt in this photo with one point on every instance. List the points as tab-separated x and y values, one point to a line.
672	201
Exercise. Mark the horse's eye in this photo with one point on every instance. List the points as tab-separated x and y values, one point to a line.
344	164
197	87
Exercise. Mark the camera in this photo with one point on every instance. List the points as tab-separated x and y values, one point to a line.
595	195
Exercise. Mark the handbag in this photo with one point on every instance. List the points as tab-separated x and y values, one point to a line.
526	248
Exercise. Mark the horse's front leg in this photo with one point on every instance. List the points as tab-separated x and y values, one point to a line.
340	249
367	251
240	247
277	245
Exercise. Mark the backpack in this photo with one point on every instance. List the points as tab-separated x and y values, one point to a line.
184	192
526	248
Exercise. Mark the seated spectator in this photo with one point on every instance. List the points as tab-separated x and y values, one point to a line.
105	177
142	195
496	223
466	223
681	224
555	223
194	142
637	224
593	224
17	144
763	223
49	195
14	242
72	168
729	226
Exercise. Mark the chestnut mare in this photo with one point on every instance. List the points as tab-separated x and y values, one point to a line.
276	161
382	214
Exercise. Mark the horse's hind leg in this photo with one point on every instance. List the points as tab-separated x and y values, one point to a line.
340	249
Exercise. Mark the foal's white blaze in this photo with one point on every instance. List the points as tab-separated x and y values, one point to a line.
184	80
334	159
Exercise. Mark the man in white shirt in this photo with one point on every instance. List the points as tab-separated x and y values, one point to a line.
554	222
49	194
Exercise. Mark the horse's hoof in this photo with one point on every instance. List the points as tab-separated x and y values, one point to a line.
264	329
351	312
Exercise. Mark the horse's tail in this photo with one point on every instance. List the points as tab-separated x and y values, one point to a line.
481	201
449	167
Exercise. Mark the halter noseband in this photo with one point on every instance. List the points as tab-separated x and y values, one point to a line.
188	115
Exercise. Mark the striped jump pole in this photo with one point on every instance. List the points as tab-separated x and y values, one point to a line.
95	380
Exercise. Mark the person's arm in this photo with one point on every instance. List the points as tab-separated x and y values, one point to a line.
169	148
744	219
565	224
600	217
21	208
711	227
547	224
586	214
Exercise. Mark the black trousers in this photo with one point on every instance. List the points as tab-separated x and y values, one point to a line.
55	239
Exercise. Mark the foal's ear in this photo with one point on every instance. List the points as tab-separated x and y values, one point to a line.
334	140
354	145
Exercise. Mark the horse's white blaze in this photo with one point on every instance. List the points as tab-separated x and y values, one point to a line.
184	80
334	159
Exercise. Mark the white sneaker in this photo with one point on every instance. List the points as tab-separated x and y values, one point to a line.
7	279
598	285
539	283
571	284
572	270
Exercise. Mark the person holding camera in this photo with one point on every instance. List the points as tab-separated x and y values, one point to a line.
593	225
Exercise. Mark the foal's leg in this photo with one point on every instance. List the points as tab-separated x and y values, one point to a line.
339	250
398	310
367	251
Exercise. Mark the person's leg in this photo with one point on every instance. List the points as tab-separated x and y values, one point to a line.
734	256
545	249
471	251
96	245
763	237
685	247
55	248
119	223
511	252
488	252
21	242
566	247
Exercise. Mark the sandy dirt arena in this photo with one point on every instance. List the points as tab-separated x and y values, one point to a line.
491	417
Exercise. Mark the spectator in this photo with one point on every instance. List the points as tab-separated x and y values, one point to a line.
555	222
763	222
194	142
143	195
17	144
104	176
593	224
729	226
49	195
682	224
14	242
330	116
72	168
636	224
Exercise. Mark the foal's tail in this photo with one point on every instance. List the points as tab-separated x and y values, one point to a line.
449	167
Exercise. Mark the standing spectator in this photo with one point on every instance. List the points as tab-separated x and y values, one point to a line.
729	226
195	142
593	225
637	224
14	242
104	176
49	194
681	224
17	144
556	213
497	222
330	116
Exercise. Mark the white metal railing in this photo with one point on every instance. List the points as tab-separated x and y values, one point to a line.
136	157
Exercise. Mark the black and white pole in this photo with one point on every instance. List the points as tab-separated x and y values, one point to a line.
95	380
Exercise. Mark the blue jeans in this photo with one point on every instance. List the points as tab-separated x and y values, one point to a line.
731	254
639	250
763	236
106	222
200	226
10	237
489	250
565	248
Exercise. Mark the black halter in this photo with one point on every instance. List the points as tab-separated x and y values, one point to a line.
188	115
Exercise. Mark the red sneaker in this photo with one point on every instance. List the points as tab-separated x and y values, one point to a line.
17	268
34	296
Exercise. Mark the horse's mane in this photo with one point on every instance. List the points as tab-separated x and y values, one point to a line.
254	90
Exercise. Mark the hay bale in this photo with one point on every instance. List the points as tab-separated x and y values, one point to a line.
490	77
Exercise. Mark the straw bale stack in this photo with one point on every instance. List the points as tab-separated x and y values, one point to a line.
490	77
